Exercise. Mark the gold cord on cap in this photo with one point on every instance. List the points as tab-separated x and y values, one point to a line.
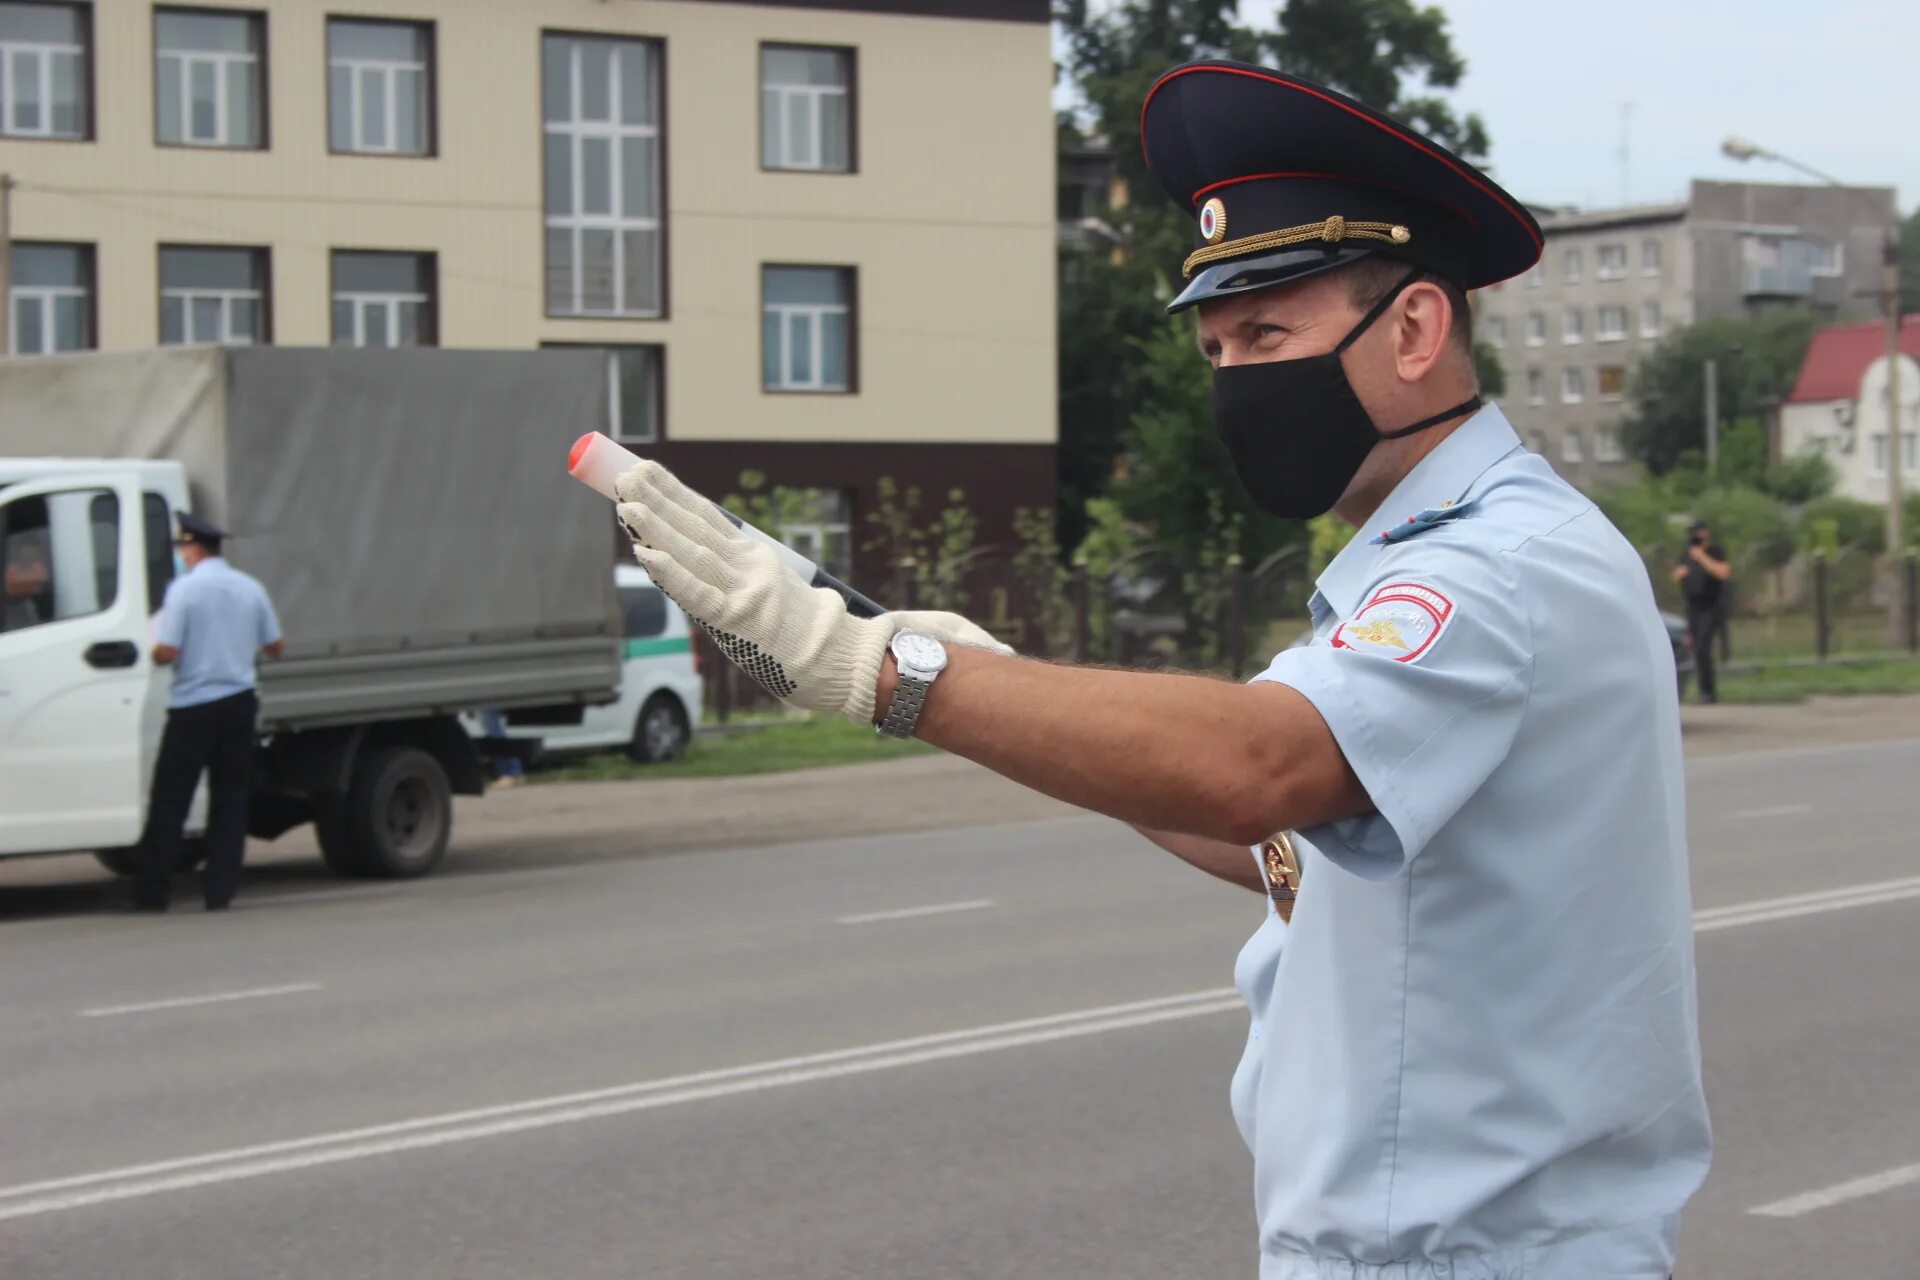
1328	231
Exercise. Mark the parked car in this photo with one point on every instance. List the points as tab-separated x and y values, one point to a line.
659	706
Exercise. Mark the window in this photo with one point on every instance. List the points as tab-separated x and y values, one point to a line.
633	390
1649	257
645	612
1612	385
51	294
1611	324
1573	386
806	108
1537	442
157	514
1536	276
821	529
47	578
601	106
1536	387
380	87
1497	330
46	76
1606	445
1572	262
383	299
1536	328
807	328
1610	262
1649	319
207	78
1570	326
1908	447
210	295
1571	449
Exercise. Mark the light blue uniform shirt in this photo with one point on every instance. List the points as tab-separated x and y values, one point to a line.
218	618
1475	1051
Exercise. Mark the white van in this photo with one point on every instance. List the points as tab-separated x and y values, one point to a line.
660	687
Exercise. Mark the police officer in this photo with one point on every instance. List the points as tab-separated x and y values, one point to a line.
213	622
1702	572
1474	1047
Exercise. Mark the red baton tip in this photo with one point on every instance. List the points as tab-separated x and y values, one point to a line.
579	450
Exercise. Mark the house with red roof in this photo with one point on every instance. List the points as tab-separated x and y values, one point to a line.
1838	407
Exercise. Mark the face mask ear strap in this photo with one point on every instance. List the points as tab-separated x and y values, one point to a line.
1378	309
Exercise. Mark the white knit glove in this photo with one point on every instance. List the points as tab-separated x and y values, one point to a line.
797	640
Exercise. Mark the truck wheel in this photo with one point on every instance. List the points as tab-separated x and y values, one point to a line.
661	731
398	814
330	829
126	861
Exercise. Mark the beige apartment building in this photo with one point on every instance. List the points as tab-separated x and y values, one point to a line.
818	238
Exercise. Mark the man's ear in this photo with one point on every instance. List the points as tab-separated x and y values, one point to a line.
1423	329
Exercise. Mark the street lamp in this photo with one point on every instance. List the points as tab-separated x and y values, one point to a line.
1738	148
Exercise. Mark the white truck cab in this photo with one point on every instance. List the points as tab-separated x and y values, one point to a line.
86	548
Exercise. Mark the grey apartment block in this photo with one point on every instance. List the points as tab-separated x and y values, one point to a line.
1613	281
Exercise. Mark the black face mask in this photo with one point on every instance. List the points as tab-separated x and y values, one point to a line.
1296	432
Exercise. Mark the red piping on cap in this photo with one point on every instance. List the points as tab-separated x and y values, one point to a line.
1415	143
1462	214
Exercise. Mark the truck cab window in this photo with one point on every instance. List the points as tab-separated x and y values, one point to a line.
159	524
59	557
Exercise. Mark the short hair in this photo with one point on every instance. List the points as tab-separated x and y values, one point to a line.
1375	275
207	541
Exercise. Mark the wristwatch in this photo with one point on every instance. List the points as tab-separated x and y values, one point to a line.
920	659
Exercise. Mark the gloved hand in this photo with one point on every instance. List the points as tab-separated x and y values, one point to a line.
797	640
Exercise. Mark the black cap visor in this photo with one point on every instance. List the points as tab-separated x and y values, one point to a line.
1263	271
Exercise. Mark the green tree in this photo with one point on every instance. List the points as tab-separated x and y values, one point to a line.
1490	370
1757	360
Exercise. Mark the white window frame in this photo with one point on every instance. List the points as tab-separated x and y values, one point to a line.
1601	333
1606	445
43	54
1571	265
818	533
221	59
613	129
1601	269
1650	262
1536	275
1650	309
226	298
1909	449
815	313
816	109
1536	332
364	301
1497	330
1572	448
389	69
1536	387
1573	387
44	296
1576	333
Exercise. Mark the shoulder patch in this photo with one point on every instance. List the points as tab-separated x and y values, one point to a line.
1400	621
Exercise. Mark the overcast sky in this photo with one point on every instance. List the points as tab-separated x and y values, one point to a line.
1832	84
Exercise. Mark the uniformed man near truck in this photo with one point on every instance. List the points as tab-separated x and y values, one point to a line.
214	623
1474	1047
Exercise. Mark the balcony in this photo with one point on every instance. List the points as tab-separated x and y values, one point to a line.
1777	282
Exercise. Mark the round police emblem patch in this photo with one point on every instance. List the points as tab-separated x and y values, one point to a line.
1213	221
1399	621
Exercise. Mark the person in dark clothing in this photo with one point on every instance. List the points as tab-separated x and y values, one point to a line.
1702	573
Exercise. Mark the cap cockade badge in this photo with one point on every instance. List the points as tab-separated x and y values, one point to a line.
1213	221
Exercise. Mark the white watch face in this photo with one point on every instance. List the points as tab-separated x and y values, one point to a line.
918	651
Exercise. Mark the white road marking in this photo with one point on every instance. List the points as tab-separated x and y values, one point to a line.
60	1194
1840	1193
1805	904
182	1002
914	913
1771	811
